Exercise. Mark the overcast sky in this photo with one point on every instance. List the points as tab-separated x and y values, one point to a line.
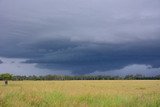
75	37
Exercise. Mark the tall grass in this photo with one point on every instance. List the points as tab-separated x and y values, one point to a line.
80	94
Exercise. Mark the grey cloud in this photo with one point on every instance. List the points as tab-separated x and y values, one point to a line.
94	21
89	57
81	36
1	61
131	70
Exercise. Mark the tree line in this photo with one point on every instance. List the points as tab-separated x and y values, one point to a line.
8	76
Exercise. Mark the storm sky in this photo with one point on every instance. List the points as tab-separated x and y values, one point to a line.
78	37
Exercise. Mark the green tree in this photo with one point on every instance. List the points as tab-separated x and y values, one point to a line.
6	77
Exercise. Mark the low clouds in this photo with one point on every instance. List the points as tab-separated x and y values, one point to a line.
84	58
18	68
81	36
131	70
1	61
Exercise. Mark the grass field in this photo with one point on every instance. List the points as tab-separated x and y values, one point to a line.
117	93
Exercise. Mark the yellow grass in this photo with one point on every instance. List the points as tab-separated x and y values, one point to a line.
116	93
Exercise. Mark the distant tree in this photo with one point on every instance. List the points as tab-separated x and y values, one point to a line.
6	77
138	76
129	77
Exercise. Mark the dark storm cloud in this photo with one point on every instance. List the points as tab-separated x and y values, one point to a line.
81	36
88	57
1	61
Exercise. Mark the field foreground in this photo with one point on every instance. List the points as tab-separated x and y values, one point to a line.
116	93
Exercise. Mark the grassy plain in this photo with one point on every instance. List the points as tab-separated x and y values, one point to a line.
116	93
